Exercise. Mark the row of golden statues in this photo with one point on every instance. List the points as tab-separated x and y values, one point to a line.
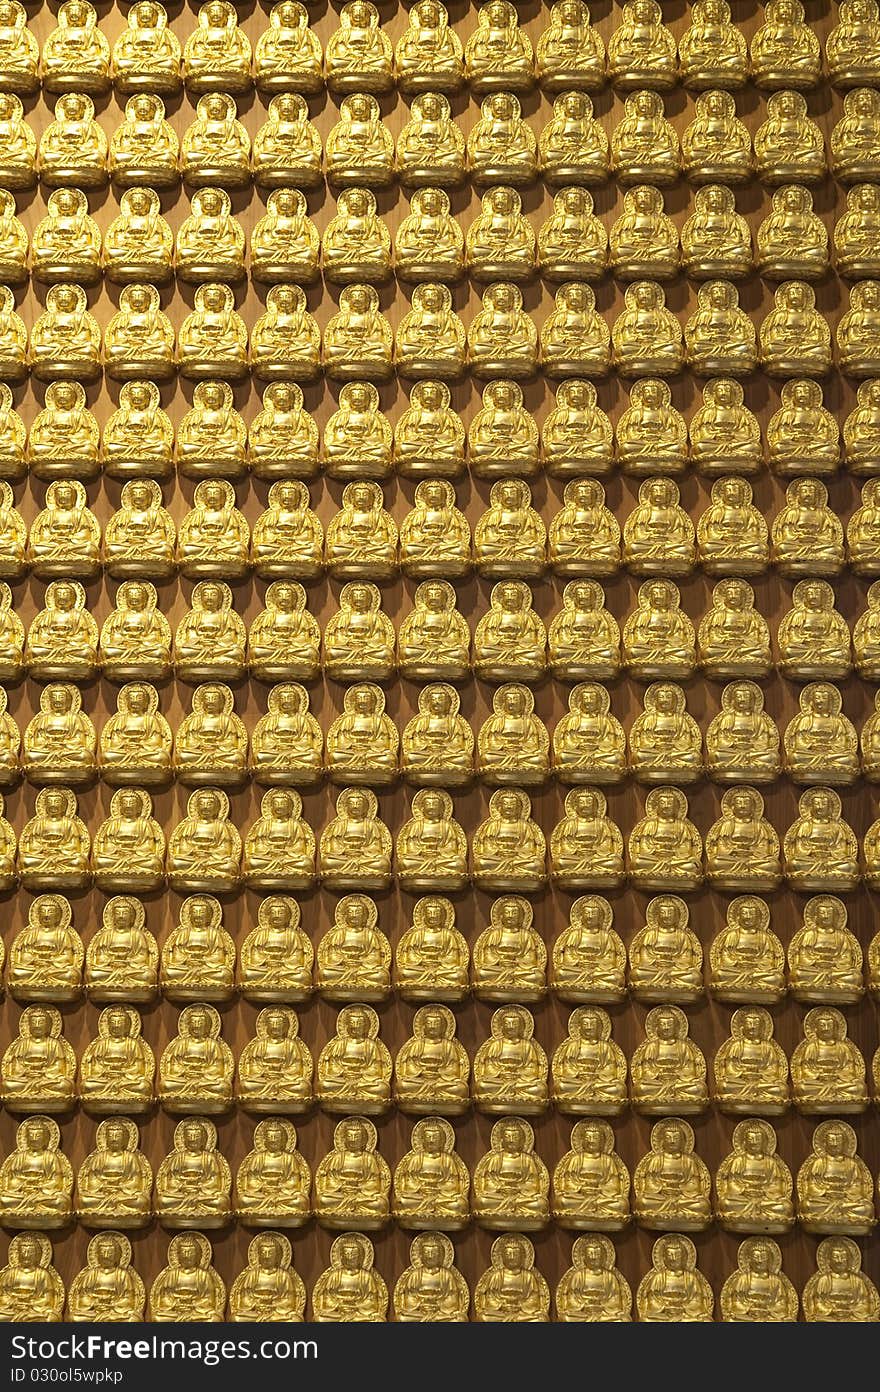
430	244
784	51
501	340
431	1288
573	146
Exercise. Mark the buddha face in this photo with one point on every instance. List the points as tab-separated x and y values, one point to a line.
55	804
834	1142
275	1139
514	702
357	806
752	1025
350	1256
116	1138
119	1026
432	1139
512	599
359	599
819	806
659	598
195	1138
585	598
136	598
674	1256
513	1028
39	1025
279	914
509	807
198	1025
211	598
647	297
842	1262
355	915
501	106
277	1025
503	298
827	1030
207	806
268	1254
512	915
108	1253
280	806
65	495
439	702
574	106
201	912
734	492
743	806
590	1028
354	1137
432	807
73	107
188	1254
37	1136
672	1140
431	1254
212	700
435	917
591	1139
215	107
512	1256
586	805
28	1252
668	1026
759	1261
284	599
434	1025
666	805
357	1025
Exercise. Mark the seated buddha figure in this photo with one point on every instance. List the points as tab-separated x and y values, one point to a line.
575	339
353	956
356	244
284	640
855	330
588	1072
73	147
852	53
715	239
751	1069
209	642
869	743
573	145
835	1188
359	148
802	436
589	745
716	145
273	1182
139	339
210	242
668	1070
117	1068
789	146
140	536
63	440
349	1289
46	957
865	635
821	745
510	1068
212	339
19	51
652	439
431	1289
66	243
824	955
13	435
674	1290
510	1291
733	637
429	55
122	956
665	848
147	53
784	51
13	339
359	639
742	848
285	340
19	168
194	1182
719	336
53	848
591	1182
434	639
827	1069
188	1287
275	959
664	739
584	537
287	147
641	50
429	244
76	54
572	242
813	638
839	1291
196	1067
135	742
509	956
353	1181
513	745
647	337
288	539
753	1186
36	1179
359	55
361	538
644	144
855	252
863	548
144	151
12	639
287	743
358	438
431	848
854	154
502	340
671	1185
10	745
498	54
355	847
510	538
65	536
732	535
508	847
210	745
354	1066
431	963
666	956
501	244
432	1068
584	638
217	54
794	337
288	55
570	53
38	1070
501	146
511	1185
114	1183
742	741
30	1288
792	241
198	956
820	850
431	1181
510	640
437	745
204	849
279	848
588	961
586	846
503	437
136	636
268	1288
592	1290
358	339
60	743
807	536
643	240
658	638
285	243
215	149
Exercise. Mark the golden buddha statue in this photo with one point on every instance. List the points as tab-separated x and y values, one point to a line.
62	640
732	535
590	1182
742	741
139	339
359	639
794	337
820	849
789	146
285	340
437	745
715	239
855	250
647	337
827	1069
188	1287
511	1184
431	963
65	536
501	244
429	244
658	638
147	54
217	53
210	745
712	51
792	241
572	242
209	642
18	167
431	1068
429	56
824	956
508	847
813	638
868	743
361	538
573	146
434	639
135	743
136	635
753	1185
510	1068
586	846
431	1181
865	635
66	243
19	51
665	848
643	240
287	743
275	1066
668	1071
38	1070
853	140
285	243
513	744
658	535
356	244
354	955
287	147
268	1289
273	1182
212	340
198	956
216	148
354	1066
12	639
674	1290
644	144
65	338
36	1179
503	437
510	1291
144	149
510	639
863	551
210	242
851	48
733	638
13	339
358	437
592	1290
784	51
671	1185
53	848
288	56
588	1074
574	337
283	442
666	956
275	959
13	435
751	1069
116	1069
284	639
128	851
835	1188
10	744
435	536
502	340
839	1291
584	537
114	1183
204	848
431	1289
46	957
584	638
742	848
140	537
359	55
122	957
498	55
641	50
64	439
855	350
501	146
431	847
358	339
31	1291
359	149
73	148
716	145
349	1289
509	956
60	743
196	1067
570	54
821	745
76	54
355	846
588	961
430	338
720	337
